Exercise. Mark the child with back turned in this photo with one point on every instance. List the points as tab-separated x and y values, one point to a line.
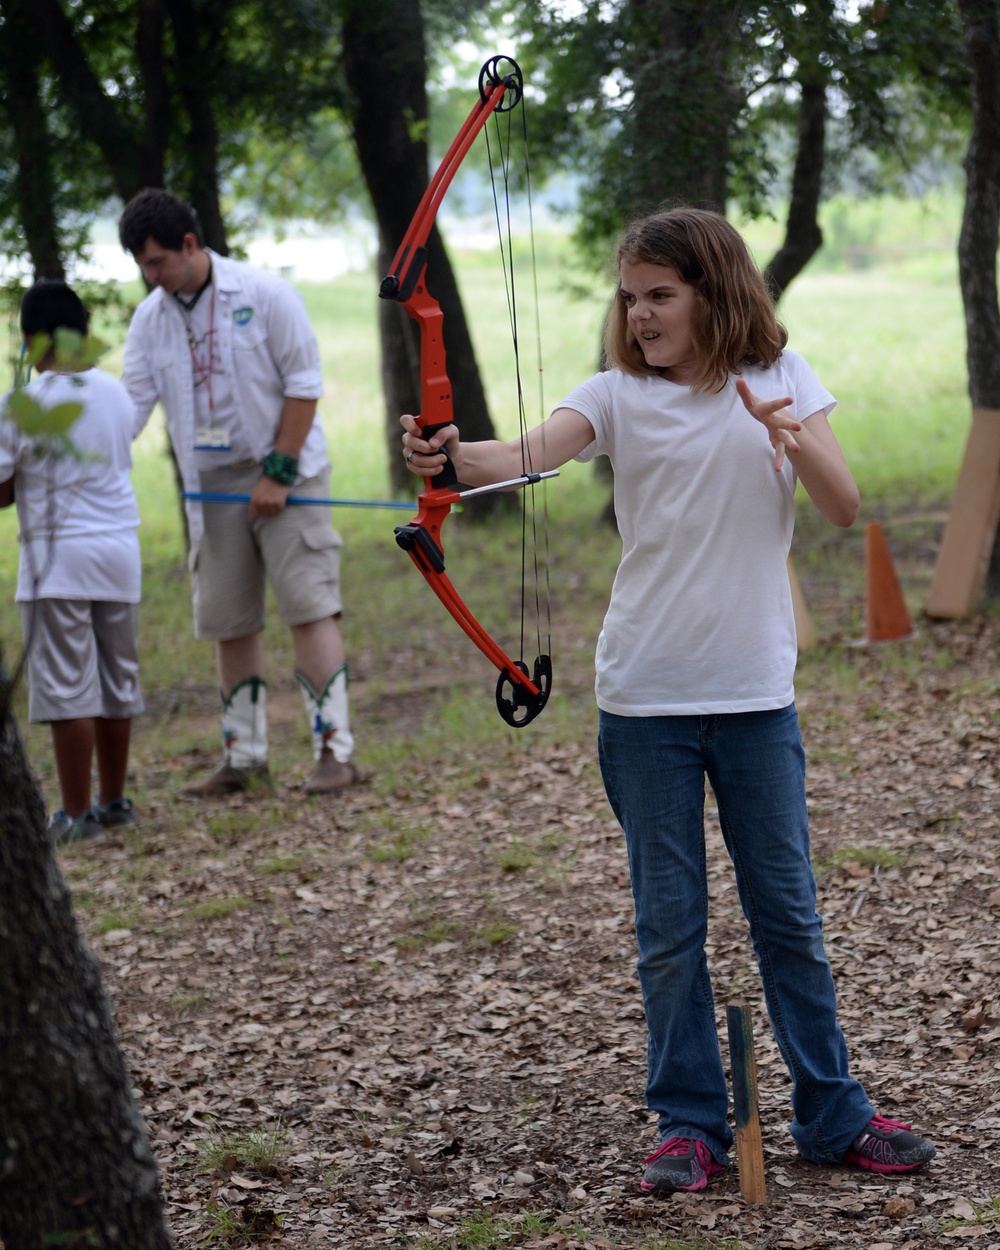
709	422
79	573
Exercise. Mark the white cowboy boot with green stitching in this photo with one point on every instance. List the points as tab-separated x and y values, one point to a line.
244	741
330	724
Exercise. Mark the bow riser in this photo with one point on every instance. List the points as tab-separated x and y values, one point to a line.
435	391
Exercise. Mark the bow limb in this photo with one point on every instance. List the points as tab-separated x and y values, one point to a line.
406	280
519	697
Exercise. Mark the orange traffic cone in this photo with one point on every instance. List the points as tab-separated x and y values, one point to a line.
886	616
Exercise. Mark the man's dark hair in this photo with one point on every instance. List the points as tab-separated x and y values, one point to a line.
157	214
51	305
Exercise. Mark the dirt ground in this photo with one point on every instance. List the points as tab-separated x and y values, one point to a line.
423	994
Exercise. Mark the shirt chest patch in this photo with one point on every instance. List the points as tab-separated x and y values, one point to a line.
242	316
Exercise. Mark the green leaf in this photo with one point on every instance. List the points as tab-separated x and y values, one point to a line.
26	412
73	351
37	421
61	417
39	348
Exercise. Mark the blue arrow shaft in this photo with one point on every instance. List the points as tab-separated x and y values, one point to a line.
204	496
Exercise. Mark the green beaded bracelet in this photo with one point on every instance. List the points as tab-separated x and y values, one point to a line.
281	468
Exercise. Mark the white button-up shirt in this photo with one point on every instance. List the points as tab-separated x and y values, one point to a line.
267	349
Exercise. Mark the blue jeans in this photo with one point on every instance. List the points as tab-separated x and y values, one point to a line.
654	771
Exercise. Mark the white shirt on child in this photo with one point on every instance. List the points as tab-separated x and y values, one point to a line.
700	619
78	518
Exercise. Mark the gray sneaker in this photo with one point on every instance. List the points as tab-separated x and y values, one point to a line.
66	831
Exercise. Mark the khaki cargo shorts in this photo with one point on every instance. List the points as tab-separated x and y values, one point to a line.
297	552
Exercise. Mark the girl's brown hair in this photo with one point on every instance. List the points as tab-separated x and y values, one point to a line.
735	323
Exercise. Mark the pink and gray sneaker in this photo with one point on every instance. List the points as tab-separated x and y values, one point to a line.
679	1163
885	1146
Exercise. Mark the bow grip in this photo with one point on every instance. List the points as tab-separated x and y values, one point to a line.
447	476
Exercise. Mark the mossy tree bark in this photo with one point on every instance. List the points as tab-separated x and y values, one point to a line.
76	1166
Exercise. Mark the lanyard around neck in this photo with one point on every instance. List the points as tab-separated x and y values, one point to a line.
202	369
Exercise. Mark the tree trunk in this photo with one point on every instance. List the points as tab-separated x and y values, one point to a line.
977	245
385	66
33	180
198	36
97	114
149	33
803	236
968	563
677	132
76	1168
675	142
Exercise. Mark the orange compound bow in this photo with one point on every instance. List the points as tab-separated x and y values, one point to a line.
520	695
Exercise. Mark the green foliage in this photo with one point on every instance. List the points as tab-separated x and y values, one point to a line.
484	1231
256	1150
894	76
48	426
400	846
218	908
984	1213
231	1226
316	178
863	856
40	423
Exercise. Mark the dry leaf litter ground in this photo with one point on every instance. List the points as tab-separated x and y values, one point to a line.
425	994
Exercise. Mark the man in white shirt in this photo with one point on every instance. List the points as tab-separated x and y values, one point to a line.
229	352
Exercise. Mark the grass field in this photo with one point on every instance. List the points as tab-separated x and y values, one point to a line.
878	314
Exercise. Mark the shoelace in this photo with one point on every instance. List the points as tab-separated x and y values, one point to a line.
885	1124
673	1146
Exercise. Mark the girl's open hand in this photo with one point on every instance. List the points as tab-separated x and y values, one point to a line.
425	457
776	417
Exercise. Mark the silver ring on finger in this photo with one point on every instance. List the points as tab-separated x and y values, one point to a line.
409	458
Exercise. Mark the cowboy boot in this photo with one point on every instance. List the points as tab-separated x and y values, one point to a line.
333	744
244	742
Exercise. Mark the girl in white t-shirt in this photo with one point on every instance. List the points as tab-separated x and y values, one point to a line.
708	422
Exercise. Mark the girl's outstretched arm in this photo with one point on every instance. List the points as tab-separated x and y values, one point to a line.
814	453
547	446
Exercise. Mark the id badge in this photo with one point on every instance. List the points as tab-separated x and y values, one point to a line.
212	438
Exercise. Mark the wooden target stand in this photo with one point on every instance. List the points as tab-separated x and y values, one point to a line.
967	543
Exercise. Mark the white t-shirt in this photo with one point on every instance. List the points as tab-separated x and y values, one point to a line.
700	619
78	517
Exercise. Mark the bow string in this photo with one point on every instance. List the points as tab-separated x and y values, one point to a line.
520	694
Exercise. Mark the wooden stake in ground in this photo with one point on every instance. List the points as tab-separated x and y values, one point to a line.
968	537
749	1148
805	633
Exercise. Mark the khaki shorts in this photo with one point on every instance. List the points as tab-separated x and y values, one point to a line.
83	659
297	552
